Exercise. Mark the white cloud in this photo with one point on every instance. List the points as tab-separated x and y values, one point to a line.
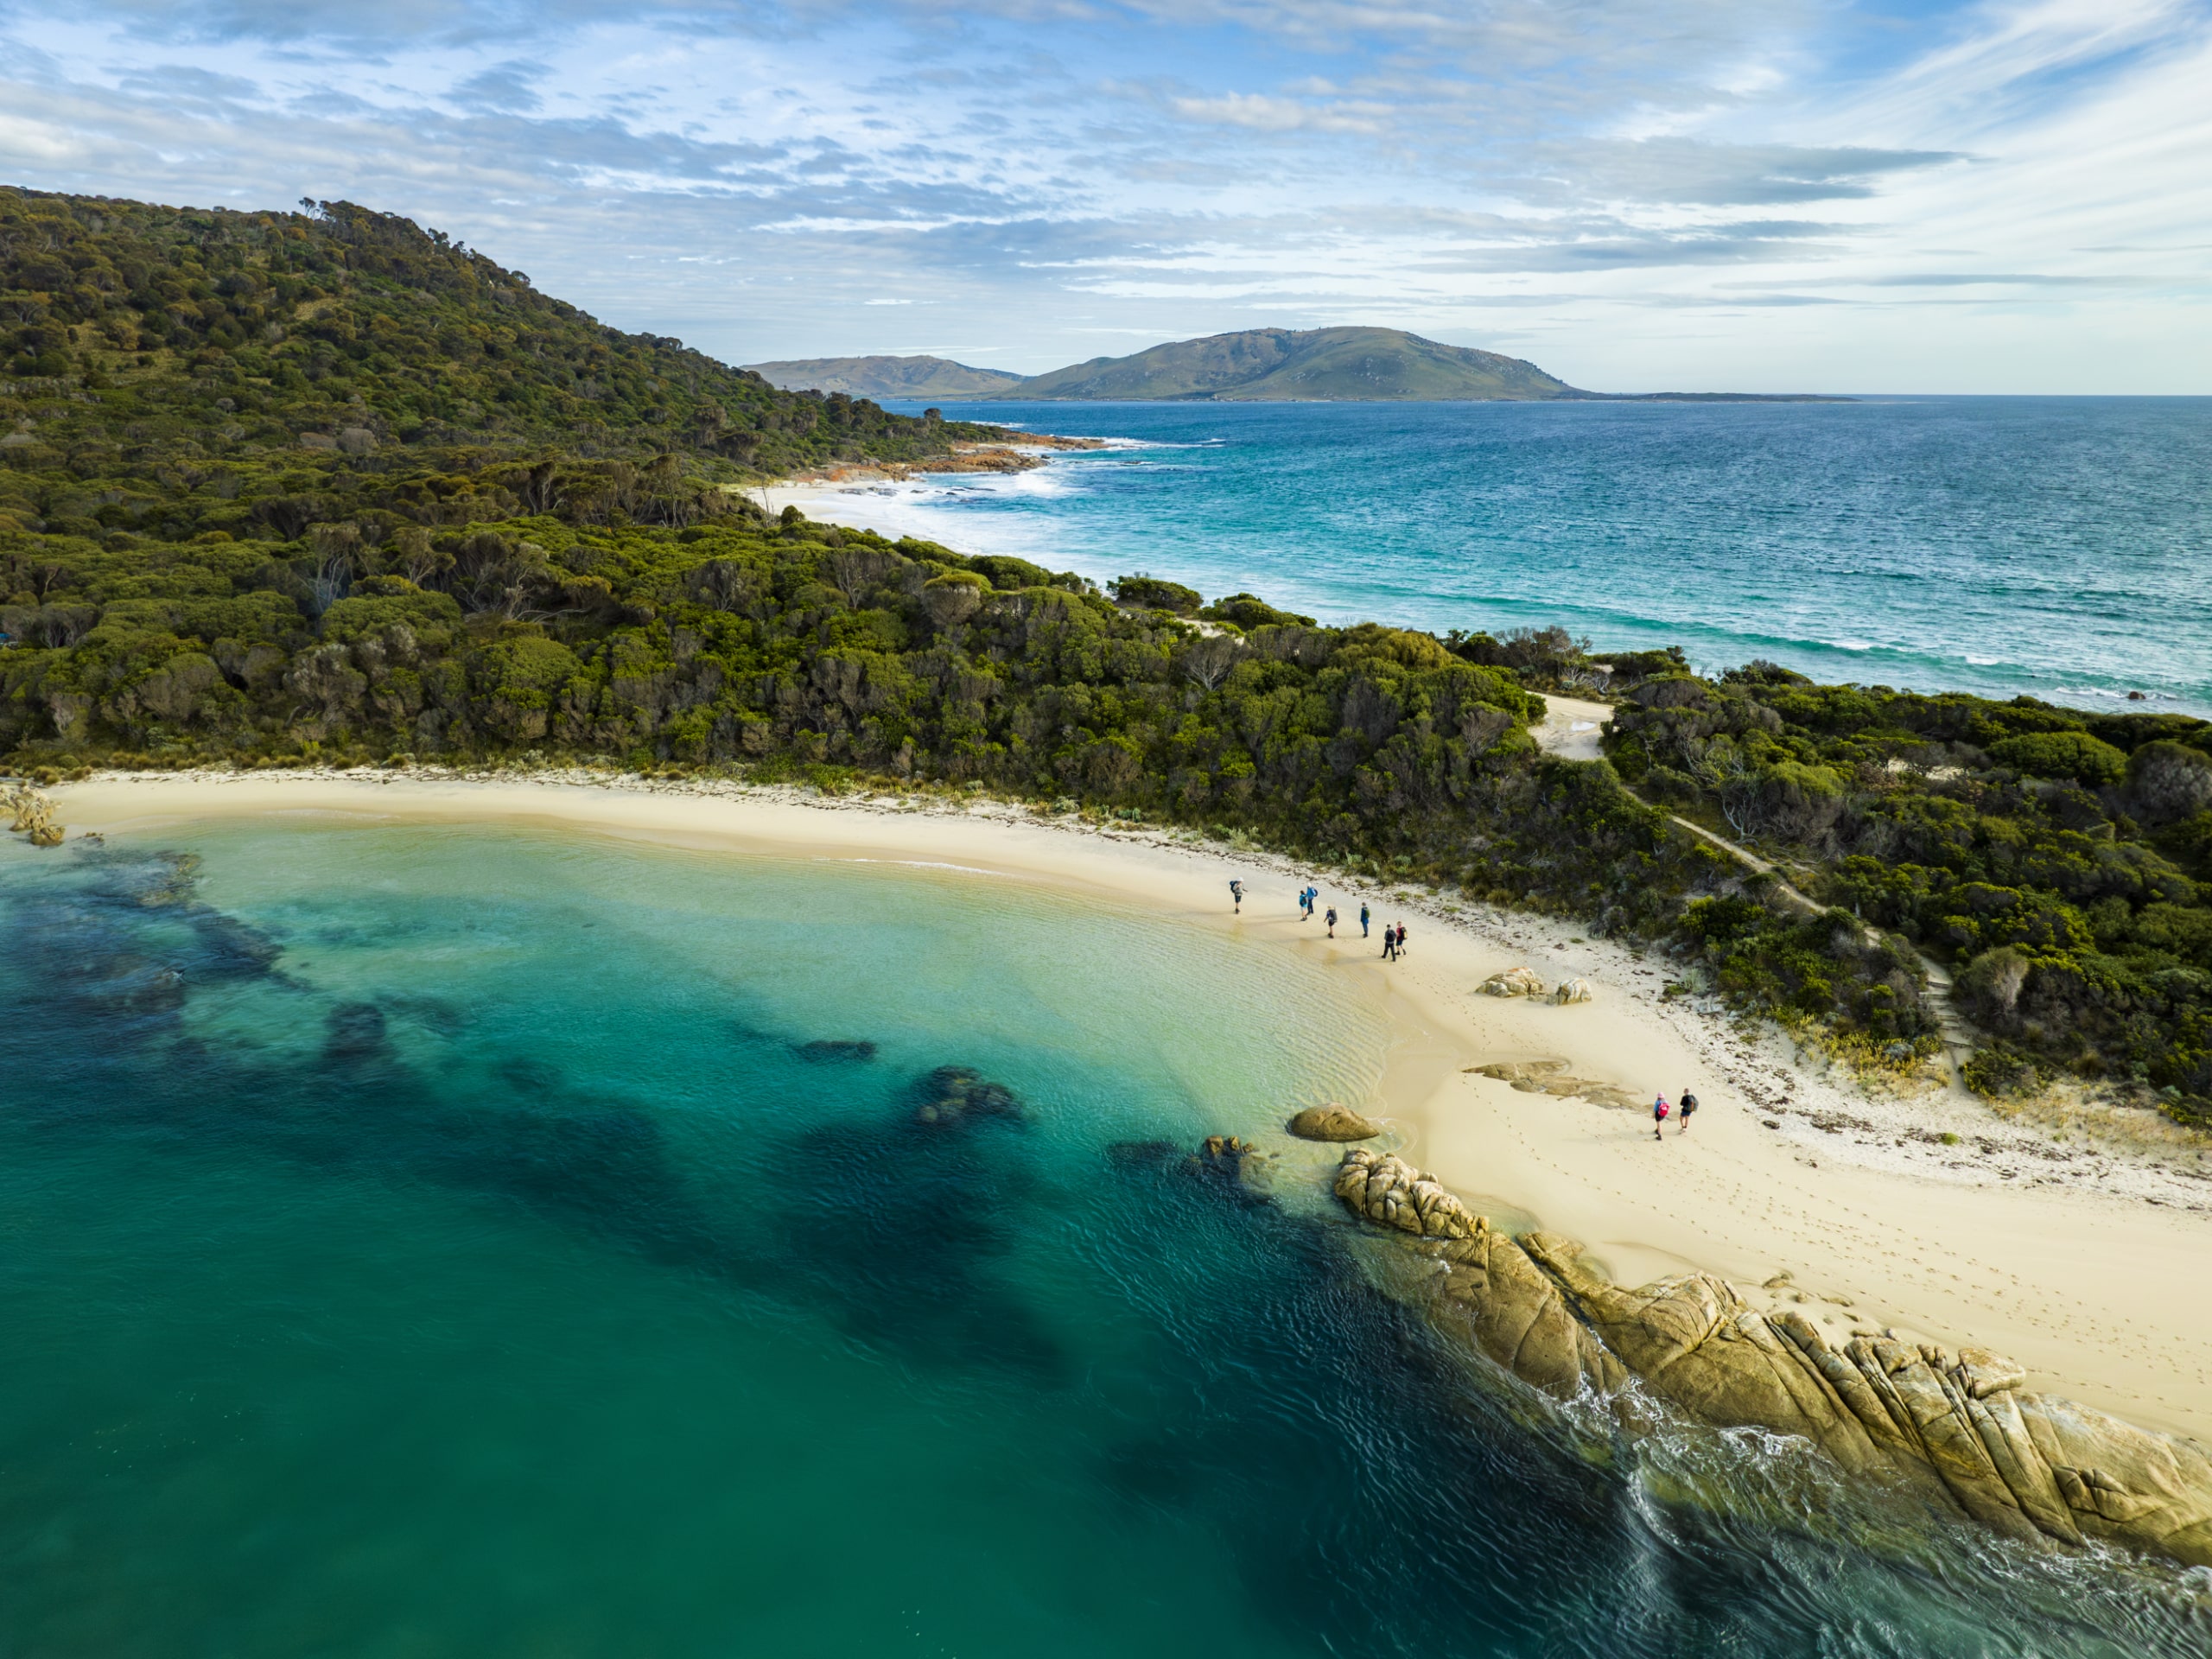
1638	191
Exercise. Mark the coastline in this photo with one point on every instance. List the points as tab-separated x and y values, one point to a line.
2064	1254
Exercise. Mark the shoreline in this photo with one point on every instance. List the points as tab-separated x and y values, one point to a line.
2063	1253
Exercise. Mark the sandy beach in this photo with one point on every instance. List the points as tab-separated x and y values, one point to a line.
2074	1247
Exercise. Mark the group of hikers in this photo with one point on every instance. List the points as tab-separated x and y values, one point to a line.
1660	1109
1394	946
1309	900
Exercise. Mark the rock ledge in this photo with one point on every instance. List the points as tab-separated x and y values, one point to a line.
1960	1425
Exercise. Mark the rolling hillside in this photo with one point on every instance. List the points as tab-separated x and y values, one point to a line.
172	373
887	377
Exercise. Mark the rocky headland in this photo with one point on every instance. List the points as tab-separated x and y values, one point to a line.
1959	1427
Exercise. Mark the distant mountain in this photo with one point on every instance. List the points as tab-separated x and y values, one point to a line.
1282	364
887	377
1258	365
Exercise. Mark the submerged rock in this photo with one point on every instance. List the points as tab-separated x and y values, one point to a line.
830	1049
1232	1161
1141	1154
1960	1428
1333	1122
953	1094
354	1030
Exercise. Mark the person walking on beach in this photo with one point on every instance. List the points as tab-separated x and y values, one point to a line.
1402	938
1658	1117
1690	1105
1389	944
1362	921
1237	893
1333	921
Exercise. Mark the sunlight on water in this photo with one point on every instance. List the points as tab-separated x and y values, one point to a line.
459	1241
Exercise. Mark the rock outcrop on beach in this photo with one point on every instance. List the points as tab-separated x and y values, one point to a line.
1514	982
1961	1427
1333	1122
31	815
1526	982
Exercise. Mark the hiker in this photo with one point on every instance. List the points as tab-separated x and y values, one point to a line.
1658	1117
1402	938
1389	944
1237	893
1362	921
1333	921
1690	1105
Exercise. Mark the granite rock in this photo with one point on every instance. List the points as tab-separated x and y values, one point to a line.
1333	1122
1964	1428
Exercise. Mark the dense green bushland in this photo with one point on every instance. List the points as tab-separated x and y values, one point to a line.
2057	860
792	649
178	373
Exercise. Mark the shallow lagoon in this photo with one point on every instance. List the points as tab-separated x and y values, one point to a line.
445	1241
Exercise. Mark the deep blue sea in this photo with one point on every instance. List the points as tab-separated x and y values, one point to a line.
2060	546
479	1243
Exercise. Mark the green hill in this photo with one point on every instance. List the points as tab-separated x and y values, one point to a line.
1280	363
172	373
887	377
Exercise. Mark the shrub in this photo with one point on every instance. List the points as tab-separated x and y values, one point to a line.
1669	785
1145	593
1717	920
1249	612
2000	1070
2089	760
2167	782
1988	988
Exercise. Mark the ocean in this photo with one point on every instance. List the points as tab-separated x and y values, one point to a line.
448	1241
2058	548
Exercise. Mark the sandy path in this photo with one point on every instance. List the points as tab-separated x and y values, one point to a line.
1572	728
2083	1261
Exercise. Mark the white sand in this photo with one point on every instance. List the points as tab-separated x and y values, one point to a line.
2082	1258
1572	728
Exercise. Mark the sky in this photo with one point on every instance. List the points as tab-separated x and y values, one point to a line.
1760	195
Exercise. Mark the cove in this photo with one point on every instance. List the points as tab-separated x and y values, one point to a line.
453	1239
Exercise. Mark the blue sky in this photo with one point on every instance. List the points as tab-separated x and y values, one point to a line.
1637	194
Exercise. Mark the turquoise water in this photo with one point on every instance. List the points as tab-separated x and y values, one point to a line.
437	1241
2060	547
